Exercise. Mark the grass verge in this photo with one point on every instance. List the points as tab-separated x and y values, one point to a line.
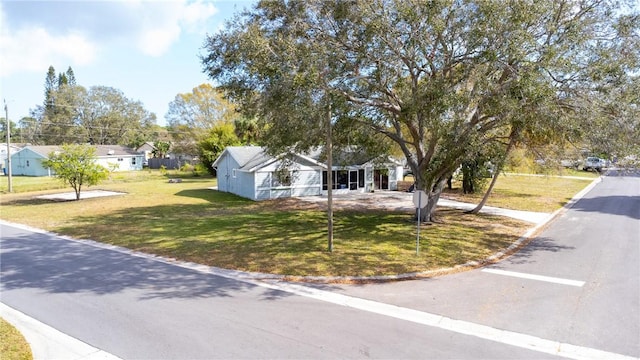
13	345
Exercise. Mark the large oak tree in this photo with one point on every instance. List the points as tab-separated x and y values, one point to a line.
437	78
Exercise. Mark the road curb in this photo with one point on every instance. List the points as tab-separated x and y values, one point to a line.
49	343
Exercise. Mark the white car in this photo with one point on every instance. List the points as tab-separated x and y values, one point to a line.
594	163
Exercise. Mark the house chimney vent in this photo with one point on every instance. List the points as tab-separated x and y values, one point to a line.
111	152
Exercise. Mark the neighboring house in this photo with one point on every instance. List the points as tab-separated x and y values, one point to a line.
146	150
248	171
28	161
171	160
13	148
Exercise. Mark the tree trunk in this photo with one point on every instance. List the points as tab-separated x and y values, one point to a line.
496	173
487	193
427	213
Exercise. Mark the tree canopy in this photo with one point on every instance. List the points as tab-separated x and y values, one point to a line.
193	115
436	78
98	115
214	143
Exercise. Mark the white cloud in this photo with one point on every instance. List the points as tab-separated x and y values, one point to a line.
33	48
195	15
163	23
73	32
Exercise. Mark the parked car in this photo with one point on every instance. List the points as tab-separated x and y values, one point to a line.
594	163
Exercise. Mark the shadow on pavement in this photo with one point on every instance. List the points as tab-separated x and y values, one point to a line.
539	244
50	264
614	205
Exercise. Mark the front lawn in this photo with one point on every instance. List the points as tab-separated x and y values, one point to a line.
188	221
525	192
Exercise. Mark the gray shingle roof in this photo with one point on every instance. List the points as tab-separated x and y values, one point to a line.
101	150
248	156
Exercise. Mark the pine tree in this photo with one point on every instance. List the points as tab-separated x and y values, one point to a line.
49	86
62	80
71	77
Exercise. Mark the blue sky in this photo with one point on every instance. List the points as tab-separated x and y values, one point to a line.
147	49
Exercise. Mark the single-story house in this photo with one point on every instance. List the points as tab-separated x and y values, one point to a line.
13	148
146	150
28	161
250	172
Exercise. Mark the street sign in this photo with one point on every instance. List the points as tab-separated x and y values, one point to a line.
420	199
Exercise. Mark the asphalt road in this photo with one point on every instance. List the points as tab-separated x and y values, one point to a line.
597	242
138	307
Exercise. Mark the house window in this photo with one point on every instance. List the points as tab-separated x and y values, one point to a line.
338	176
27	163
342	179
360	178
233	173
133	161
281	177
120	159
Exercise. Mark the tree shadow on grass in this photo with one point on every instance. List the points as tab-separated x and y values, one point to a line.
47	263
215	197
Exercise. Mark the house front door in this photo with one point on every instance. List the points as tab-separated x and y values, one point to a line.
353	180
381	179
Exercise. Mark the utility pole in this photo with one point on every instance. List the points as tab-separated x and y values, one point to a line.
8	164
329	181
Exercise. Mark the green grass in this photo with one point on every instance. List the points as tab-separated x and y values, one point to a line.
187	221
530	193
13	346
29	183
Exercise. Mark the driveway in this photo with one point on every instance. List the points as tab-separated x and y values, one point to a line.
403	201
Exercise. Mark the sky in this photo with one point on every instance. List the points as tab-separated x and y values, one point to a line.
147	49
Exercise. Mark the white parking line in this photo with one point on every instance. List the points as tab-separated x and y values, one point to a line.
535	277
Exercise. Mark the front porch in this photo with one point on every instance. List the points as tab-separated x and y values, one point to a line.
361	180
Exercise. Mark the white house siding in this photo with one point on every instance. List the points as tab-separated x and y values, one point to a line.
304	183
3	154
393	177
307	183
243	184
262	185
121	163
225	173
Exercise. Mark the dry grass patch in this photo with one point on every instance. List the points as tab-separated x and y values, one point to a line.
13	345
